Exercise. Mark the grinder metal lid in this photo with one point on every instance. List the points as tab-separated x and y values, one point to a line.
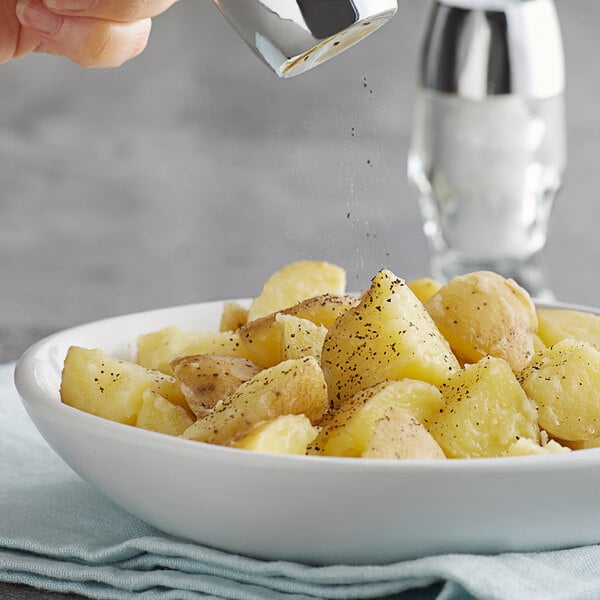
293	36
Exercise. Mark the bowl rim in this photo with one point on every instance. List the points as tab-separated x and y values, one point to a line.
35	399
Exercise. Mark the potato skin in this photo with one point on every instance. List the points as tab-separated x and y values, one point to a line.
482	314
205	379
389	335
290	388
263	339
398	435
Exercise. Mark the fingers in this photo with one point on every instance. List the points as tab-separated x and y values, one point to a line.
89	41
112	10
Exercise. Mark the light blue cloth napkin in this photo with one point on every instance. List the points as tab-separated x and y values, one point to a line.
57	533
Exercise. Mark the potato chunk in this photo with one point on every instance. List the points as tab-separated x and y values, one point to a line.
555	325
389	335
265	340
295	282
564	381
158	414
205	379
348	430
485	411
282	338
424	288
397	435
112	388
234	315
157	349
484	314
526	447
292	387
300	337
288	434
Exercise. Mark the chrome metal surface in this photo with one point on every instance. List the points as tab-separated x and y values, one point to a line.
480	48
292	36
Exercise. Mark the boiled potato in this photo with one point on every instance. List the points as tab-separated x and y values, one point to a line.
205	379
157	349
112	388
300	337
397	435
283	337
483	314
527	447
424	288
288	434
555	325
582	444
347	431
158	414
564	381
233	317
389	335
264	340
292	387
295	282
485	411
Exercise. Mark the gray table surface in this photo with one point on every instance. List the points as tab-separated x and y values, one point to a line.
192	173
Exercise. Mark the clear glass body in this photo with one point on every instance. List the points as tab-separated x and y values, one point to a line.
487	172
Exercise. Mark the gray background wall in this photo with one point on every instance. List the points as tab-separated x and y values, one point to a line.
192	172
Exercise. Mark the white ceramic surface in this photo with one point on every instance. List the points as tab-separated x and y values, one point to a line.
309	509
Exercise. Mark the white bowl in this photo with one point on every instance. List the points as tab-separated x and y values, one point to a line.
310	509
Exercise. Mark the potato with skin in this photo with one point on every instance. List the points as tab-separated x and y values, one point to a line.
398	435
347	431
581	444
483	314
485	411
206	379
296	282
263	339
288	434
292	387
110	387
160	415
157	349
389	335
564	382
557	324
283	337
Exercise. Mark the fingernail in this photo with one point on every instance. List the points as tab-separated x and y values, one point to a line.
33	14
71	5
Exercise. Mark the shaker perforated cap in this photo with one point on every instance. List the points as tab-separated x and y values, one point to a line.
293	36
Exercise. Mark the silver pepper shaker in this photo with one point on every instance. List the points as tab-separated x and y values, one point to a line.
293	36
488	150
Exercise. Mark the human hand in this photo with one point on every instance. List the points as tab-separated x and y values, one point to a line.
93	33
